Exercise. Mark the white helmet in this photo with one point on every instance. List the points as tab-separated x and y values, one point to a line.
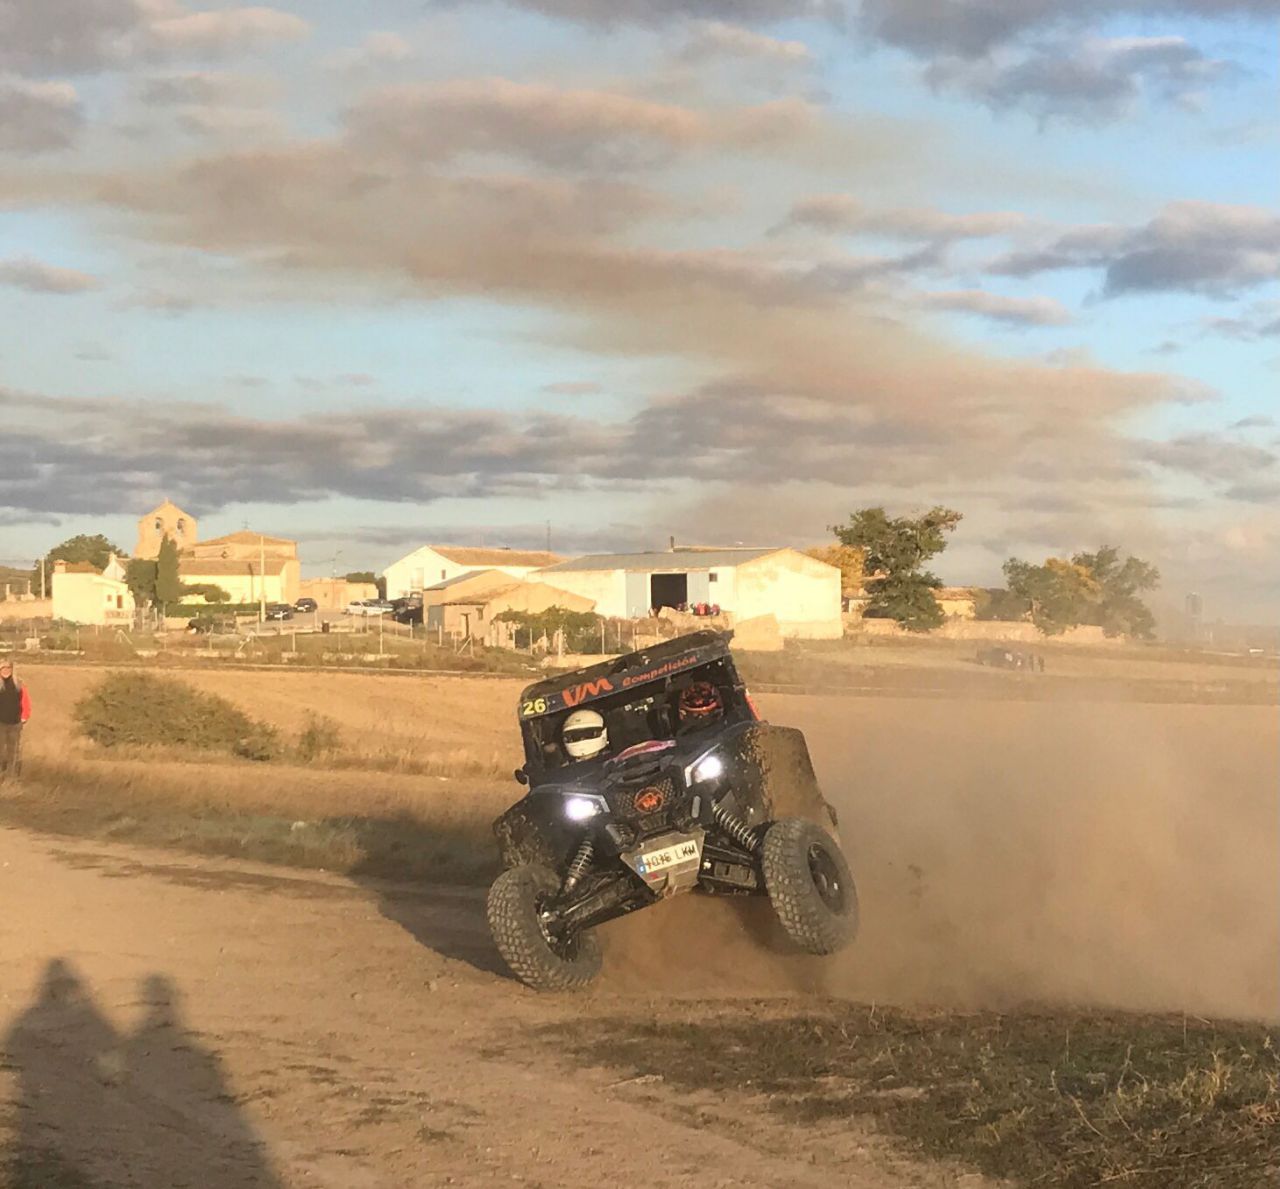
584	734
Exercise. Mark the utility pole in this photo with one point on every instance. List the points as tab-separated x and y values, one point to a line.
548	536
262	579
42	594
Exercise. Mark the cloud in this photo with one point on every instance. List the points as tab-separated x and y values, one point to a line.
38	117
1262	321
573	388
1091	81
1254	421
378	49
661	12
1215	459
560	128
974	28
1017	311
844	213
204	88
84	36
1193	247
34	276
715	39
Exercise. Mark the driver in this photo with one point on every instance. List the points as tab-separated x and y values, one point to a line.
700	704
584	735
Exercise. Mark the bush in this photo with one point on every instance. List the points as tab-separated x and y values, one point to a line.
141	709
320	737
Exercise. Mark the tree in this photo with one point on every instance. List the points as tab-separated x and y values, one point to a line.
849	561
894	552
1091	588
95	549
361	576
1119	611
168	583
997	603
1059	593
140	575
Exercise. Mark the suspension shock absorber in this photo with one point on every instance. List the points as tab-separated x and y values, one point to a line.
578	866
734	826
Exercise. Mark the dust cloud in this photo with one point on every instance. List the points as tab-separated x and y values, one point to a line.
1122	855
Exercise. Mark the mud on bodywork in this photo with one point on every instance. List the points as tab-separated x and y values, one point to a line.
773	777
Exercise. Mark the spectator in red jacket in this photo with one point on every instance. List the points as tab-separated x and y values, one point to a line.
15	709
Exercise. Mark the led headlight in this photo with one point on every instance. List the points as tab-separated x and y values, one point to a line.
708	768
579	809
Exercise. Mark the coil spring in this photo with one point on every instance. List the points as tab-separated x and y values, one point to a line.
734	826
578	865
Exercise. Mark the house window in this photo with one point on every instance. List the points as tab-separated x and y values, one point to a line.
108	598
182	526
713	577
159	524
119	602
443	575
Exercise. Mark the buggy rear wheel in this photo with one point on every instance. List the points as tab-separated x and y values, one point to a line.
538	957
810	885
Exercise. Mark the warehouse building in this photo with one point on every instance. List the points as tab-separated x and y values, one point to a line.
802	593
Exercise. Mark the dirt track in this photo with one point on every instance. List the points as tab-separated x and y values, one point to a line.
183	1022
174	1021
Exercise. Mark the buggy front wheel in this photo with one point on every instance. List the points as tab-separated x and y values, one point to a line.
537	955
810	885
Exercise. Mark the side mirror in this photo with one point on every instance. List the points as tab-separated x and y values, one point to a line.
522	777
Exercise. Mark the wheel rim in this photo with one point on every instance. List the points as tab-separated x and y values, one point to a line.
564	947
827	879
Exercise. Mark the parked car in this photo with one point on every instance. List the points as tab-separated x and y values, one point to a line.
306	605
212	625
369	607
278	611
407	610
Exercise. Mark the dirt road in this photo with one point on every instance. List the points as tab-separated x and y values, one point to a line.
176	1022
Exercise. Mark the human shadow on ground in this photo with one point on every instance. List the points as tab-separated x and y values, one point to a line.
95	1107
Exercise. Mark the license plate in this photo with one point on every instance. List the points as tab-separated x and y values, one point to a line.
651	861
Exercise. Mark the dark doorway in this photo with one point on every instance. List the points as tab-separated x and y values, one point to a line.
668	590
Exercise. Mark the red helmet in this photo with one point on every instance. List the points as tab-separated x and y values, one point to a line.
700	702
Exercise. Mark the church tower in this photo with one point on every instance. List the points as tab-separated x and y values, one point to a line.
166	520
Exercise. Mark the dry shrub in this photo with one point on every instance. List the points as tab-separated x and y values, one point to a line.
141	709
320	738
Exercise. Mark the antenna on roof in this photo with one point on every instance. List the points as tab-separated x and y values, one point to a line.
673	544
548	536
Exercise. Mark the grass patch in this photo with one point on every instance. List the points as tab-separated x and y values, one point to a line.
297	817
1068	1099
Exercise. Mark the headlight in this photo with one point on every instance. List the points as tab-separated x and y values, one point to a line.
708	768
579	809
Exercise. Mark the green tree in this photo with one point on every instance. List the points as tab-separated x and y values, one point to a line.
95	549
894	551
1118	610
997	603
1090	588
140	574
168	583
361	576
1059	592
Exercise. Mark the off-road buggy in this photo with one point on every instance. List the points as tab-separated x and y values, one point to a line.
725	804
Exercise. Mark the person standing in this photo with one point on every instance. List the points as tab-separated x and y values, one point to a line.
15	709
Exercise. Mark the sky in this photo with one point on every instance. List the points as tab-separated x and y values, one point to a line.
611	271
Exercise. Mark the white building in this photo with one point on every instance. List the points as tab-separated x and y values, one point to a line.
802	593
433	564
84	594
